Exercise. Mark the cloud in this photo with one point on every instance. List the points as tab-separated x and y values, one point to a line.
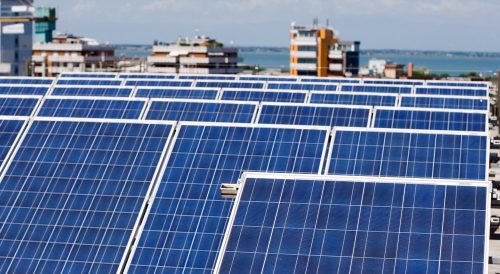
84	6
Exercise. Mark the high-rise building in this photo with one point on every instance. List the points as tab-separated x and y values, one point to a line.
68	53
201	55
317	51
44	28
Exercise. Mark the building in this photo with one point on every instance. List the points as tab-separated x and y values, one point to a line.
201	55
16	38
317	51
68	53
394	71
44	29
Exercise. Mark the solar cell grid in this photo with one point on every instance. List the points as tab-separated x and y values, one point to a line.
145	76
230	84
88	82
297	224
24	89
354	98
159	83
27	80
409	154
268	78
457	91
377	88
89	75
445	102
73	192
287	96
183	229
105	91
208	77
303	86
457	84
394	82
10	131
202	111
330	80
179	93
18	105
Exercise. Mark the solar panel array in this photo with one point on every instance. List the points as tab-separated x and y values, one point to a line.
107	172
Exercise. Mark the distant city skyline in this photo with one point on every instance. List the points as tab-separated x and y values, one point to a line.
463	25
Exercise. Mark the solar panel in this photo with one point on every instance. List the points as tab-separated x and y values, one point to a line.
303	86
88	75
377	88
10	131
432	119
394	82
303	224
202	111
145	76
183	230
309	114
208	77
457	84
105	91
159	83
268	78
457	91
88	82
26	80
179	93
354	98
230	84
18	105
290	96
330	80
24	89
444	102
73	193
409	154
88	107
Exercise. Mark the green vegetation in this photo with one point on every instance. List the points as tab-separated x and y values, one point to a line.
470	74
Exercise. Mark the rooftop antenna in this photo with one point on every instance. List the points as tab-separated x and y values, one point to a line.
327	22
315	22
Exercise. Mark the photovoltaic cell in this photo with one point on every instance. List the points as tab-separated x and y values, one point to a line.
184	228
394	82
89	75
72	194
202	111
146	76
26	80
314	115
361	99
268	78
230	84
18	106
330	80
264	95
92	91
208	77
454	91
303	86
159	83
298	224
377	88
92	108
21	89
179	93
10	129
457	84
88	82
409	154
432	120
444	102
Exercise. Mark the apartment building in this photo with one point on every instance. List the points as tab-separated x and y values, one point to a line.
201	55
68	53
317	51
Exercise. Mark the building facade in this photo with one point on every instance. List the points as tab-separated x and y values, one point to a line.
68	53
201	55
317	51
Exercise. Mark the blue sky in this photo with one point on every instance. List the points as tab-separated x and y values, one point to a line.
405	24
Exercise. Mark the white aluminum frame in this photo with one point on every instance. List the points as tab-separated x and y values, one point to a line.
395	96
56	83
51	93
265	91
452	88
306	83
69	74
126	81
444	97
411	87
139	88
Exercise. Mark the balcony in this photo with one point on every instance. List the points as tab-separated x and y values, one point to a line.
335	54
208	60
303	66
304	54
305	41
161	60
336	67
161	70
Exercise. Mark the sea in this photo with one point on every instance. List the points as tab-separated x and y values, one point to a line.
442	64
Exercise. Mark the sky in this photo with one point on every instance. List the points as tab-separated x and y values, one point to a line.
464	25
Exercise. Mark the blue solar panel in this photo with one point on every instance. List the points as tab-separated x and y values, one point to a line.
268	78
344	98
429	119
179	93
314	115
92	91
146	76
184	229
24	89
330	80
264	95
26	80
88	82
10	130
92	108
73	193
444	102
302	86
89	75
298	224
457	84
159	83
410	154
18	105
394	82
457	91
230	84
203	111
208	77
377	88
